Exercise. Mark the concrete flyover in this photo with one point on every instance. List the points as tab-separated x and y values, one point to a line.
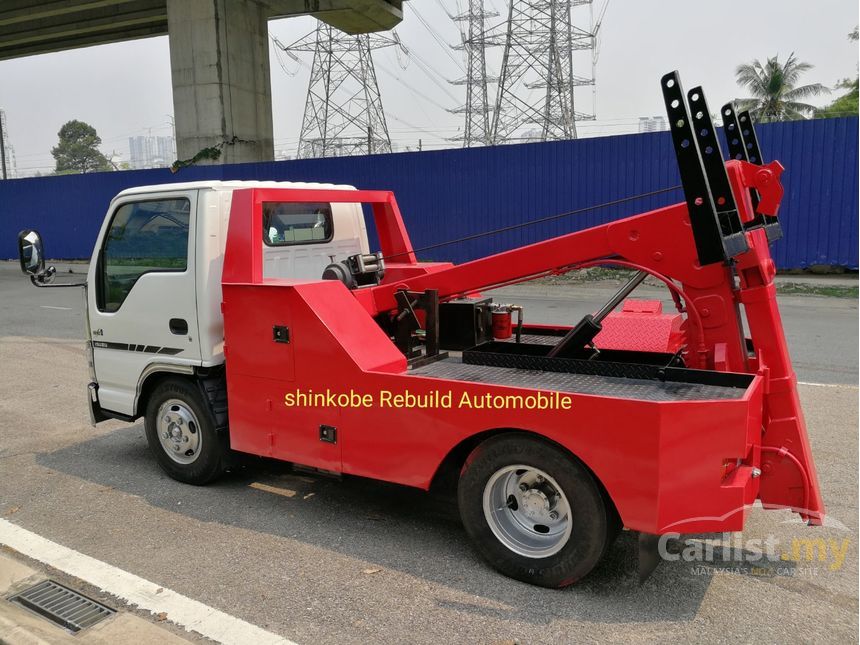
219	55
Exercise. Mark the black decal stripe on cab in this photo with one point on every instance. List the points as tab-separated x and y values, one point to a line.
144	349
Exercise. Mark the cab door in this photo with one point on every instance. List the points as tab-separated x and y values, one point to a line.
142	299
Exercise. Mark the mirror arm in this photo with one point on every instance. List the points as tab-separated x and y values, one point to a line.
43	285
42	280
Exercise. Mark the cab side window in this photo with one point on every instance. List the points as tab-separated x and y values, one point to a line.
143	237
286	224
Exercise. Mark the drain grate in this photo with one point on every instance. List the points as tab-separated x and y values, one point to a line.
62	605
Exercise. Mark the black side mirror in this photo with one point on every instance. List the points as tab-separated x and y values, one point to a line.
31	253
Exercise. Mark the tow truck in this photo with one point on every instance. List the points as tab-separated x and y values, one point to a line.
251	317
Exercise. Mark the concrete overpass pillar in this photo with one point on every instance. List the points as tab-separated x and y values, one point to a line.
219	54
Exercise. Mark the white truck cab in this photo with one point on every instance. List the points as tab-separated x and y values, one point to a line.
154	282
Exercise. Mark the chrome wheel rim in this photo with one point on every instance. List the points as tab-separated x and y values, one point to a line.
179	431
527	511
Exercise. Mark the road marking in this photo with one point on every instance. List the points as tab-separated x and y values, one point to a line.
286	492
181	610
848	385
51	307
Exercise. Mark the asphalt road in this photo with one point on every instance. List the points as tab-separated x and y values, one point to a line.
821	332
322	560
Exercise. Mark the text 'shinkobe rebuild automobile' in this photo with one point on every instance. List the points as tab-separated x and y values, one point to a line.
251	317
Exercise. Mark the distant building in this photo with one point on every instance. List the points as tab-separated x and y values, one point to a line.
531	135
653	124
9	150
151	152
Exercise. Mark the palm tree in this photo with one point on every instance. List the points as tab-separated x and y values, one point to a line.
775	93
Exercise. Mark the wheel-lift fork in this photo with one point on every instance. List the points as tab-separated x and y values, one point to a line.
733	216
743	146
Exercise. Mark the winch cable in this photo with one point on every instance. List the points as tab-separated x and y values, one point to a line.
541	220
678	294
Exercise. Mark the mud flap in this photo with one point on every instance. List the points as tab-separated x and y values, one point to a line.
649	556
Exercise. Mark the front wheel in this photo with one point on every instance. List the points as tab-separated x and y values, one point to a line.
181	433
534	513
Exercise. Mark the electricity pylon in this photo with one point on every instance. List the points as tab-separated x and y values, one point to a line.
343	111
535	98
477	107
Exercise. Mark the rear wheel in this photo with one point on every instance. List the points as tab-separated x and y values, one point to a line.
533	512
181	433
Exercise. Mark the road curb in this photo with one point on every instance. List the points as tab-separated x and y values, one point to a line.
19	626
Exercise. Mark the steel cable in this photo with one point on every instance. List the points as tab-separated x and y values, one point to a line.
541	220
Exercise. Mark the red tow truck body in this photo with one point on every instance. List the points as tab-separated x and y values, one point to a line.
683	447
679	457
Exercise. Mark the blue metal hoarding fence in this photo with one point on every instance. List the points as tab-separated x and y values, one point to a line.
449	194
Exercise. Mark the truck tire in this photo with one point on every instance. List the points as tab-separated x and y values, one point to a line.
534	513
181	433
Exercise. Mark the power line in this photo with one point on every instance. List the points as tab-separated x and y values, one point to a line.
430	71
541	220
445	46
415	92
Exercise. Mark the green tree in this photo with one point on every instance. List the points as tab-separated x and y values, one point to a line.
846	104
776	95
77	149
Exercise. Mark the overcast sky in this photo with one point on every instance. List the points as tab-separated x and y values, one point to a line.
124	89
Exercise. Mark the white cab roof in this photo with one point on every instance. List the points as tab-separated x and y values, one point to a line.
227	185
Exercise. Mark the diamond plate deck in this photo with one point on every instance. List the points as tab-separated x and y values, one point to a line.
623	388
535	339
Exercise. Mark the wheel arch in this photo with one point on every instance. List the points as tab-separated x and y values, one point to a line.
210	380
152	375
448	471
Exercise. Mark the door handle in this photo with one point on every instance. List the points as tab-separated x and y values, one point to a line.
178	326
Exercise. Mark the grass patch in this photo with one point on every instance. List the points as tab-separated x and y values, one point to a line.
619	276
825	290
593	274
